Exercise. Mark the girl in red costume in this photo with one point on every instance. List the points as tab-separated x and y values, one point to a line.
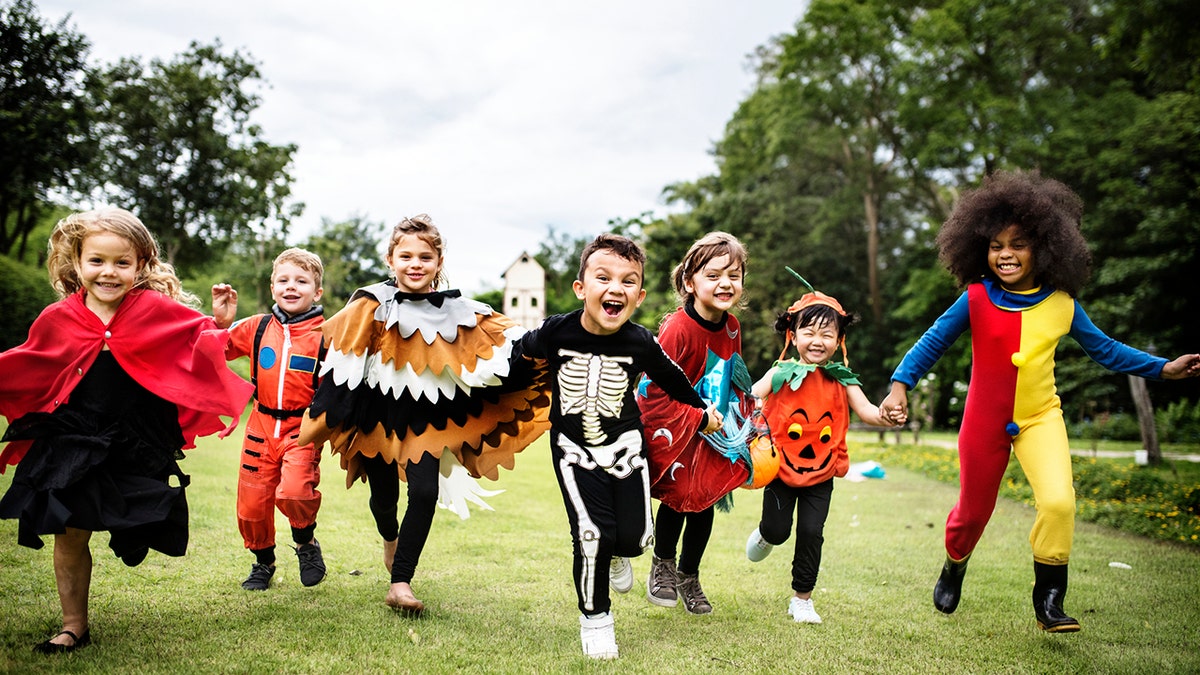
114	381
807	403
690	473
1015	245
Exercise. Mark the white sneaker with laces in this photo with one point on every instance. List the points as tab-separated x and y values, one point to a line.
598	636
757	548
620	574
802	610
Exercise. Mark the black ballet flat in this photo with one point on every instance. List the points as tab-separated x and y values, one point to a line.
80	641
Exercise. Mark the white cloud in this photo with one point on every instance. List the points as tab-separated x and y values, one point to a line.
497	118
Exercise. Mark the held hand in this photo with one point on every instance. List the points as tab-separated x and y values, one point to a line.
715	421
893	416
1187	365
224	304
895	405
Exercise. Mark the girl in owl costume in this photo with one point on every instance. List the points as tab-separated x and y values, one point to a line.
416	382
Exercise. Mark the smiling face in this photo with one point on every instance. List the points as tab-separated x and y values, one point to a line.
108	270
716	288
611	289
415	262
805	436
294	288
1010	258
816	342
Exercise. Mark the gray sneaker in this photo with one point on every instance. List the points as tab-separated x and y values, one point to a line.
260	577
660	585
694	600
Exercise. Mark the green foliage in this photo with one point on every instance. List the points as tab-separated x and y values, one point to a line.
178	148
352	253
44	123
26	293
558	254
1179	422
1146	501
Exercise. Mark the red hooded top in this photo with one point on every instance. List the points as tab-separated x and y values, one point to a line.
173	351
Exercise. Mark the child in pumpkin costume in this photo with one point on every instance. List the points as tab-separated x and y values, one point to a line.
807	403
1016	246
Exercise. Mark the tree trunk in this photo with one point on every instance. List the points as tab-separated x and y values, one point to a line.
1145	413
872	213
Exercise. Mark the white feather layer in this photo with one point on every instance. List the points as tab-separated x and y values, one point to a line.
456	488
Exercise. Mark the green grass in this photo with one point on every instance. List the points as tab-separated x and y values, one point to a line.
501	600
1161	502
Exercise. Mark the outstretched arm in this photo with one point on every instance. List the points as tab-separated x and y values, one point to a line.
224	304
869	412
1187	365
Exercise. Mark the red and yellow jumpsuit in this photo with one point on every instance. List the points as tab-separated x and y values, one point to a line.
275	470
1012	403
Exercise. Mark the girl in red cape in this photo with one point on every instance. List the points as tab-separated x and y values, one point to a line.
690	472
114	381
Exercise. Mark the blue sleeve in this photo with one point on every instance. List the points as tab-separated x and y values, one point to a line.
934	343
1115	356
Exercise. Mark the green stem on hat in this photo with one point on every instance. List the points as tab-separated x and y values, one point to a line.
802	279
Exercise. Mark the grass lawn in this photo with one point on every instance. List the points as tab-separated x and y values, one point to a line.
500	596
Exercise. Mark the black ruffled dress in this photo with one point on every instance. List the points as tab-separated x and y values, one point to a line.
105	460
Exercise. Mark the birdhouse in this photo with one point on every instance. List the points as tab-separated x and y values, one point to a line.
525	291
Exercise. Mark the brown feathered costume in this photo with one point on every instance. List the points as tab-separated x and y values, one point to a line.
410	373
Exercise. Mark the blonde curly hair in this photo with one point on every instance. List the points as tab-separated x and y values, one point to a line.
66	246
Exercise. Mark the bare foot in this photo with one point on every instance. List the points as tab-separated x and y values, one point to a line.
400	598
389	553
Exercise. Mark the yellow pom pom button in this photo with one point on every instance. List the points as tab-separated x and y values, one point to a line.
1019	359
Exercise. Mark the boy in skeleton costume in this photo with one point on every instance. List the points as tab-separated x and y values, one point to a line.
595	356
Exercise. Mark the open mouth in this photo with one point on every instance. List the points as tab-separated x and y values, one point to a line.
612	308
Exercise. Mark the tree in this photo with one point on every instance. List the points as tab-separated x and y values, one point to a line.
178	148
43	120
351	251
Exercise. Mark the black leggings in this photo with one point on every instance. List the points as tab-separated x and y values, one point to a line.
811	504
384	481
669	525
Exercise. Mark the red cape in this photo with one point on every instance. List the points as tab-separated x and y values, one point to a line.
173	351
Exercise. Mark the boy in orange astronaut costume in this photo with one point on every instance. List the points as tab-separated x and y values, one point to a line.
285	351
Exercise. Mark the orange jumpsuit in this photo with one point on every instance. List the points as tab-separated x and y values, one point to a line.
275	470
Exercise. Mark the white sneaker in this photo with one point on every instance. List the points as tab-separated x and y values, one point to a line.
802	610
757	548
598	637
620	574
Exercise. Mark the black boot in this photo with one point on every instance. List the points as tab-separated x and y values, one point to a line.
1049	590
948	588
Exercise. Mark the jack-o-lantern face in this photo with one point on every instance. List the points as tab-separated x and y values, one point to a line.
805	441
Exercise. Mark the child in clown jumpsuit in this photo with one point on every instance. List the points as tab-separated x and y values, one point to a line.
284	347
1015	245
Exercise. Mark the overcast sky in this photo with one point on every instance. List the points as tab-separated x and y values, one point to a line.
499	119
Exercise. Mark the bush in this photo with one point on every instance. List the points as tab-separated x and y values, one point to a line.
26	293
1121	495
1107	427
1179	422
